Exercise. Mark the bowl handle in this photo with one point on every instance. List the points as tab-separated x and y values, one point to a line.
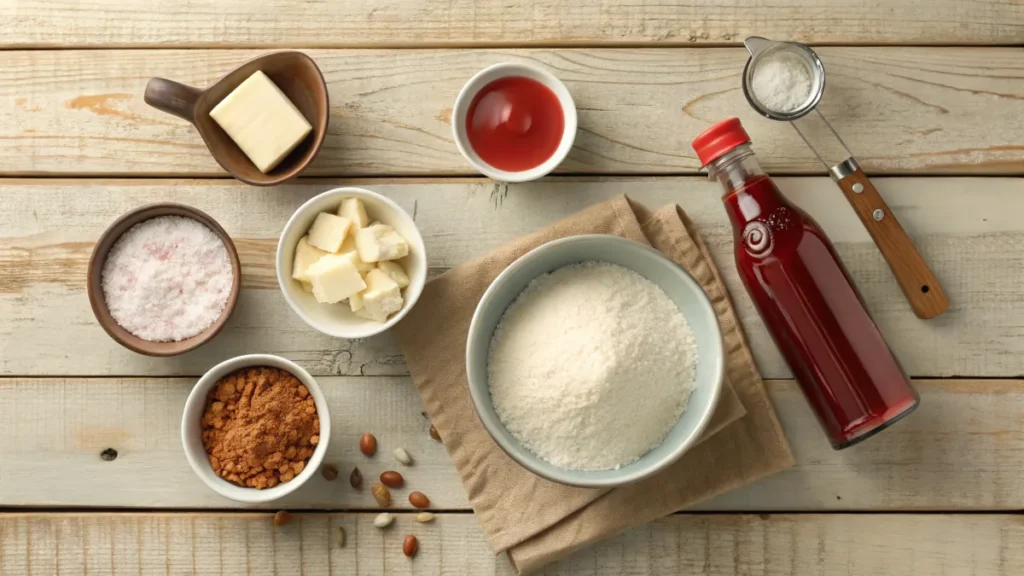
171	97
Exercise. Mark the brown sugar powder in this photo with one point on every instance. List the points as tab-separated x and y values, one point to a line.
260	427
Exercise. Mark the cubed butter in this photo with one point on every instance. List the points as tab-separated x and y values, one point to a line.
262	121
381	298
354	210
355	301
380	242
334	278
349	247
305	255
306	286
395	271
329	231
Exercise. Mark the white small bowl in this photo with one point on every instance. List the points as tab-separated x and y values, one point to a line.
337	319
677	284
505	70
192	437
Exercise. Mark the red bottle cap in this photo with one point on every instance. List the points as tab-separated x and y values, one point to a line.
718	140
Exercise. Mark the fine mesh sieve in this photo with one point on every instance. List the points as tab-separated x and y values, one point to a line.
831	151
760	50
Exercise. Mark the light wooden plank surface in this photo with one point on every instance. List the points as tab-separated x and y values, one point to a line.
962	450
775	545
967	229
901	110
417	22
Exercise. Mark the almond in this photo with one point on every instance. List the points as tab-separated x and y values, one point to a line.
356	479
329	472
382	495
419	499
410	546
368	444
392	479
403	456
424	517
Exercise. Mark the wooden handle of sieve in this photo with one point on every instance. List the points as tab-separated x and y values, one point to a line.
917	281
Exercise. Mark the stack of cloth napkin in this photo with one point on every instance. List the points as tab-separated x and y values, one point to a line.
536	521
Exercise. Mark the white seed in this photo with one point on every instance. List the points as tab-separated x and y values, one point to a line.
383	520
402	456
424	517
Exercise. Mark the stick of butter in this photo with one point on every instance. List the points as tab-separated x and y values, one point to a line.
262	121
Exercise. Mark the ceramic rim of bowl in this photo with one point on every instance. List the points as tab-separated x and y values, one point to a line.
481	80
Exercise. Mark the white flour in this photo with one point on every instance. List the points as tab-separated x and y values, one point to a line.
167	279
591	366
781	82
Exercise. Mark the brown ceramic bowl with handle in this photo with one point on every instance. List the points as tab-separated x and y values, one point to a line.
295	73
94	280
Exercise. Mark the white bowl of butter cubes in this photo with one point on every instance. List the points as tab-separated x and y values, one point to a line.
351	263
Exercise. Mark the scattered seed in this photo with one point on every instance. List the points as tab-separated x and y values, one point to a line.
381	494
329	472
368	444
402	456
356	479
392	479
341	536
424	517
410	546
434	434
108	455
282	518
383	520
419	499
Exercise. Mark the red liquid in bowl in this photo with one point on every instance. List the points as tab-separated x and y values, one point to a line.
515	123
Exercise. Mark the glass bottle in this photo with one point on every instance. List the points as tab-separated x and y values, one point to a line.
805	297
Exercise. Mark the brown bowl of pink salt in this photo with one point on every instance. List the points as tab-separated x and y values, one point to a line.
163	279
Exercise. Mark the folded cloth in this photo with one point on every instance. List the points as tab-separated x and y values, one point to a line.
537	521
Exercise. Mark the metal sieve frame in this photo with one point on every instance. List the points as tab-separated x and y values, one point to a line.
762	47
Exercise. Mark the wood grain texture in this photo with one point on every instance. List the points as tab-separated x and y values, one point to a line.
275	23
967	229
901	110
963	449
249	544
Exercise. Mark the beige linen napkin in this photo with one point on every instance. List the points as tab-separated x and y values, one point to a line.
537	521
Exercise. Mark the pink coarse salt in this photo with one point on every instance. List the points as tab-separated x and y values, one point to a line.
167	279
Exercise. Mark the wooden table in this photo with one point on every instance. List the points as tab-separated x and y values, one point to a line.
940	127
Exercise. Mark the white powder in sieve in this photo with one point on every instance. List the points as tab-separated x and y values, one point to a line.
167	279
781	82
591	366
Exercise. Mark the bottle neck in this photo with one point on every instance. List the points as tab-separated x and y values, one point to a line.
735	168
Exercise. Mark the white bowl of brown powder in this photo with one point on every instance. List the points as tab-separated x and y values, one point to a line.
255	428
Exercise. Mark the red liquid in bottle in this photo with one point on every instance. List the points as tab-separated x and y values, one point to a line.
515	123
804	295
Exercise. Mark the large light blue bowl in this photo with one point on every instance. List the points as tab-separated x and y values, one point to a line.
649	263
